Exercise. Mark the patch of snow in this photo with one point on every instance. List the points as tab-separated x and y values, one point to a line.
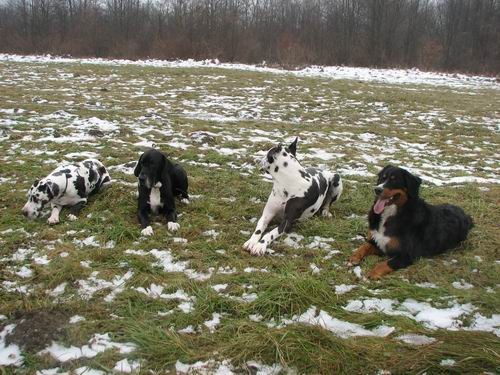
97	344
127	367
414	339
213	323
10	355
338	327
343	288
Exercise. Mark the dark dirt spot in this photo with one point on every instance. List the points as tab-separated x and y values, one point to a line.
35	330
96	133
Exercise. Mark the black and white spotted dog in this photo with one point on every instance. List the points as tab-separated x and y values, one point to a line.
298	193
68	185
160	181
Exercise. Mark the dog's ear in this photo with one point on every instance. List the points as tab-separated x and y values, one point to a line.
138	167
384	170
52	189
412	183
293	146
165	168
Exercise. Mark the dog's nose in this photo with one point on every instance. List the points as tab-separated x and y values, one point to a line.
378	190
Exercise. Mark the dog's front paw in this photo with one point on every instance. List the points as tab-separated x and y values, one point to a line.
72	217
172	226
258	248
249	244
53	220
148	231
326	213
185	201
354	260
380	270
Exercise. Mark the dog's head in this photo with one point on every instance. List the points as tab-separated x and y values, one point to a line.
40	193
279	157
150	168
394	186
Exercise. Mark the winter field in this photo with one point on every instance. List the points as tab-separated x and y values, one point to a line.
92	296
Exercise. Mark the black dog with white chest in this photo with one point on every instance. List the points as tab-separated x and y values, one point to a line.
404	227
160	181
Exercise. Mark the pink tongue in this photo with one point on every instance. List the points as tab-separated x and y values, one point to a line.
379	206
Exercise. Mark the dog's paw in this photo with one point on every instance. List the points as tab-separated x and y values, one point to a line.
72	217
172	226
354	260
53	220
249	244
185	201
148	231
326	213
259	248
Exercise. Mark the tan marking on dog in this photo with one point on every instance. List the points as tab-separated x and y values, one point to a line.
380	270
393	243
362	252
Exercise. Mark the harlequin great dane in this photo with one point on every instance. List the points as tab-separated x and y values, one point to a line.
68	185
298	193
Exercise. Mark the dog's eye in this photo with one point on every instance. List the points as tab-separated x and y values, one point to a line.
384	176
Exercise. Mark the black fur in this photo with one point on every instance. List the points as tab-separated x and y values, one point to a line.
421	229
153	167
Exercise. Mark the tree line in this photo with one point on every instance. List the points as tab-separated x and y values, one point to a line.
451	35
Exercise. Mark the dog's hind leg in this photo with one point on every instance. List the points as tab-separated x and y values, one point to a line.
334	192
74	211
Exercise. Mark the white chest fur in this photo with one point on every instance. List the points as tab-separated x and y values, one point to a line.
379	235
155	199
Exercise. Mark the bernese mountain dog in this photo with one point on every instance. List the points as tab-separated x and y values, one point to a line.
404	227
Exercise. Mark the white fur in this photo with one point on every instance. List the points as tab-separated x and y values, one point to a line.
379	235
172	226
155	199
148	231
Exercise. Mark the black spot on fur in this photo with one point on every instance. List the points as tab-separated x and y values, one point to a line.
285	164
312	209
88	164
305	175
106	179
61	172
276	169
92	175
336	179
55	189
285	192
258	231
102	170
261	241
80	186
284	153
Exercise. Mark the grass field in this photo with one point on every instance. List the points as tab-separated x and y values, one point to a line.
171	300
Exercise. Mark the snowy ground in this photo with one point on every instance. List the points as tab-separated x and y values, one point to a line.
104	299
